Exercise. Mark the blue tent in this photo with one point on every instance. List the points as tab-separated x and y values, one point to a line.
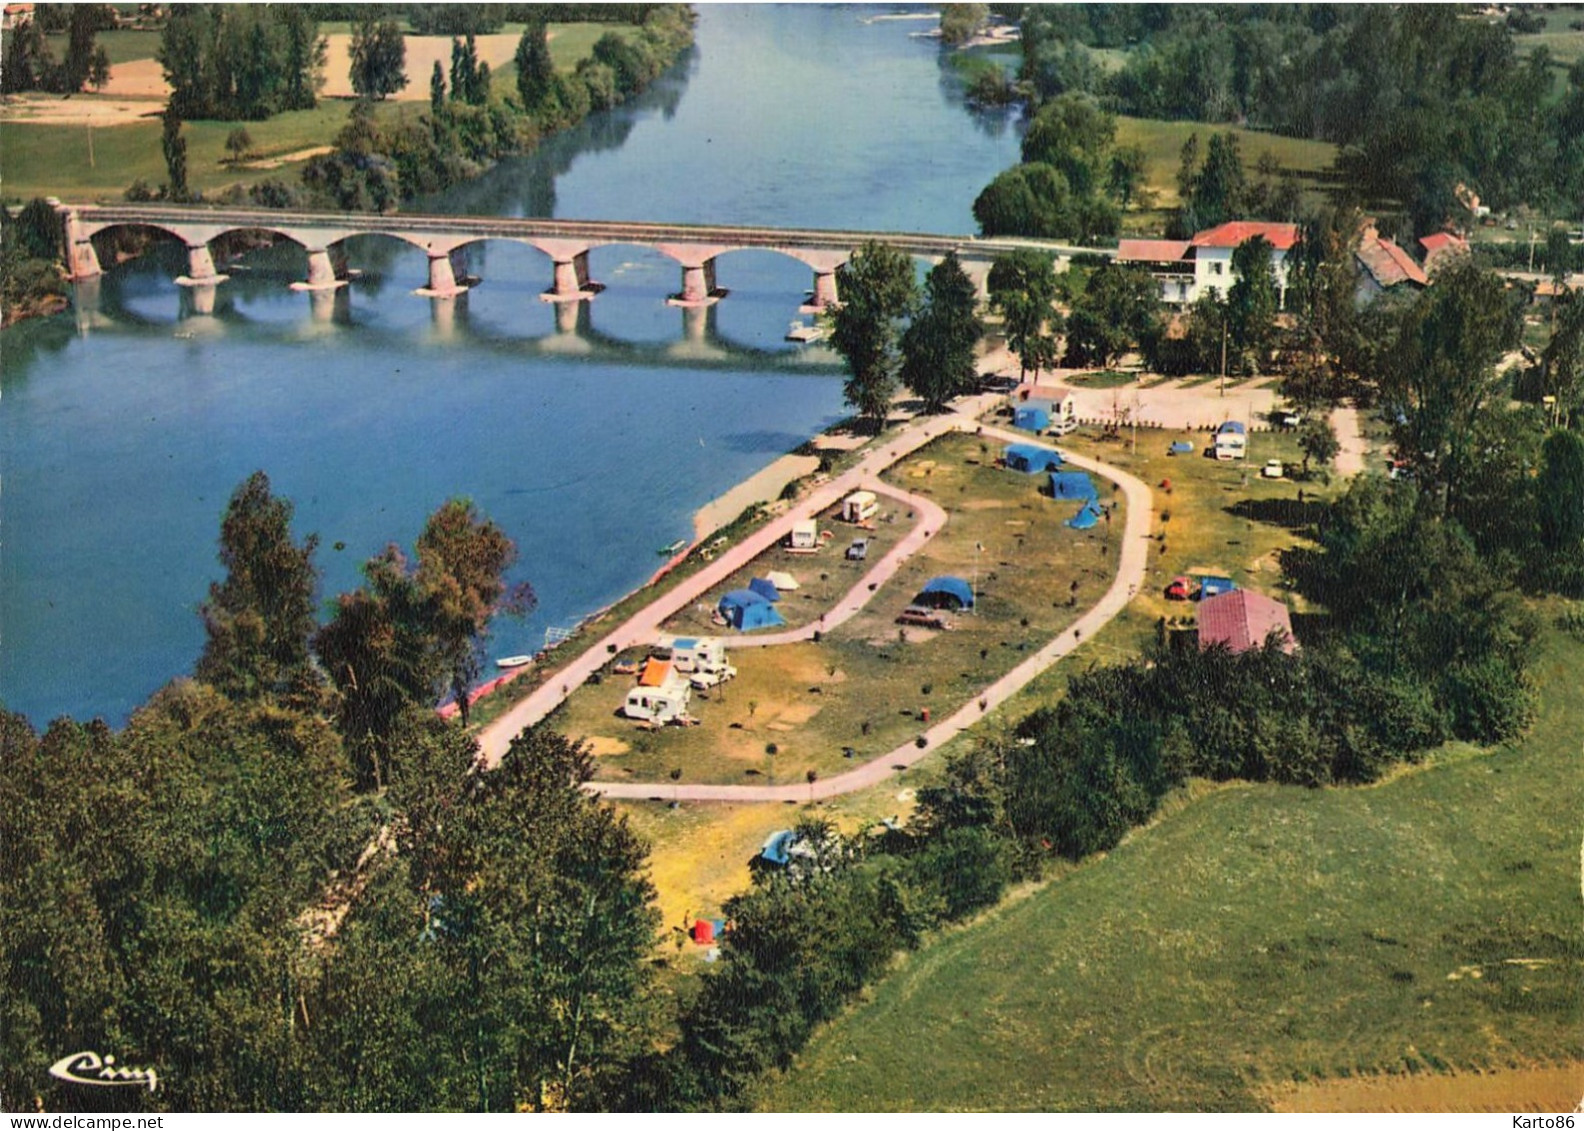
777	848
1072	485
950	592
745	611
1214	586
1031	458
765	588
1034	419
1181	447
1086	517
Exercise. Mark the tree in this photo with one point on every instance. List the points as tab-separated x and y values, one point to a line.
503	963
1073	135
1126	175
1022	287
1560	491
175	149
1252	301
379	56
535	68
1220	187
238	144
462	562
1118	309
960	22
878	292
938	346
1318	441
303	57
259	620
1442	371
437	91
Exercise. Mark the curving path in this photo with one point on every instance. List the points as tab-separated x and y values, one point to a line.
1132	561
643	626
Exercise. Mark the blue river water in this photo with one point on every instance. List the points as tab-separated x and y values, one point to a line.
127	423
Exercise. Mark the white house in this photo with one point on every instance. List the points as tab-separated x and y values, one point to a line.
1187	269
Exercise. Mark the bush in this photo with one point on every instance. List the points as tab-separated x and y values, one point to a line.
1489	700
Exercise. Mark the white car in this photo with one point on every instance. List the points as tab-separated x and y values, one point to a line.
1273	469
710	677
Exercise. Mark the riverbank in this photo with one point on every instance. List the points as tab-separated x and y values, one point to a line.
763	486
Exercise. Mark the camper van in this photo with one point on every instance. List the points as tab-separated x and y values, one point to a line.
658	704
697	653
1231	441
804	537
860	506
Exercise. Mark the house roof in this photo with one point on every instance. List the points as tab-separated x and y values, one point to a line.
1053	393
1389	264
1152	251
1241	620
1234	232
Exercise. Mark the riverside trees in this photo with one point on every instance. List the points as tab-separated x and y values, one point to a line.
241	61
938	346
878	293
1022	286
169	891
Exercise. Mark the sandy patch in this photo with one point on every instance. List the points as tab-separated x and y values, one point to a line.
761	487
288	158
423	51
604	746
1554	1088
796	714
989	505
49	109
138	78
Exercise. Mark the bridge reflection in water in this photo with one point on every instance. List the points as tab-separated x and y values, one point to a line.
209	311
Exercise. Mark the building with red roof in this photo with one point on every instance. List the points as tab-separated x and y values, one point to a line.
1383	265
1187	269
1243	619
1440	247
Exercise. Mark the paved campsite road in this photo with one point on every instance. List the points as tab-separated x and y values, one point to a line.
643	627
1352	455
1133	560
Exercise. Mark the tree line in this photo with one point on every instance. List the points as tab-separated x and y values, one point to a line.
29	64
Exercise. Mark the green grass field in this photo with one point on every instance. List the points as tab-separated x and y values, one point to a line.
43	160
1162	143
1565	43
122	45
1255	936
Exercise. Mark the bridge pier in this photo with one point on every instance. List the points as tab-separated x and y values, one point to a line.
322	274
572	282
84	260
698	285
443	281
823	295
201	270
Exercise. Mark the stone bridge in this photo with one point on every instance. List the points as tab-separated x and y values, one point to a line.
695	247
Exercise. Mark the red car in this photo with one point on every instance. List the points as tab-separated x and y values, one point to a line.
1181	589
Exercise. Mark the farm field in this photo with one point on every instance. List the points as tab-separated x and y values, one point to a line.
865	686
54	157
1260	937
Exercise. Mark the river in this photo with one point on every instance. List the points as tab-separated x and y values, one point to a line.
127	422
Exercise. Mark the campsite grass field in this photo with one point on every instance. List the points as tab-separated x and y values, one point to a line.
700	851
865	686
1259	937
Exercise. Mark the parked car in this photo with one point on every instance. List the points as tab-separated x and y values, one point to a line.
924	618
1180	589
859	550
706	678
1273	469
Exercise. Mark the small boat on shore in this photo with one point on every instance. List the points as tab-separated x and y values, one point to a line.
514	662
673	548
